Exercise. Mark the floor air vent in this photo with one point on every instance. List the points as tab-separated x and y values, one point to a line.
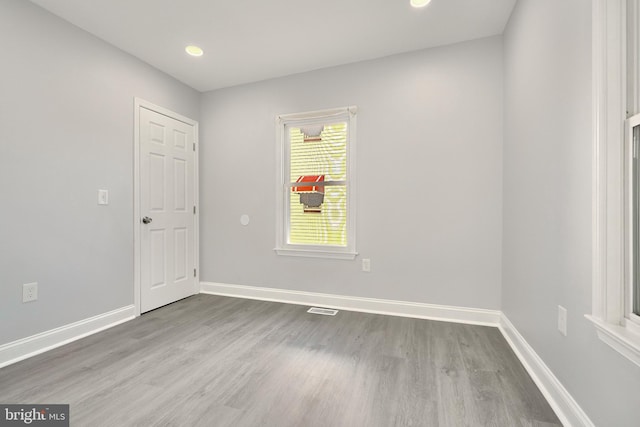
323	311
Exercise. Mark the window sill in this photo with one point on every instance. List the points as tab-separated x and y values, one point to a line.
316	253
619	338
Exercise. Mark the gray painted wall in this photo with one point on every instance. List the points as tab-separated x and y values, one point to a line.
429	144
66	120
547	205
430	130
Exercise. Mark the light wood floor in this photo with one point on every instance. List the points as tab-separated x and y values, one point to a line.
217	361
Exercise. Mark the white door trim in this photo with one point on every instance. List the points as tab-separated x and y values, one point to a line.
141	103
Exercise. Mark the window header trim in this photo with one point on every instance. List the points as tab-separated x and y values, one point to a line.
316	116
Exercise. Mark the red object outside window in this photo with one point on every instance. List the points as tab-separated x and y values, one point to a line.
309	188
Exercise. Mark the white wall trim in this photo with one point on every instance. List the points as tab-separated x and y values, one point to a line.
619	338
474	316
30	346
565	407
609	63
612	211
563	404
283	194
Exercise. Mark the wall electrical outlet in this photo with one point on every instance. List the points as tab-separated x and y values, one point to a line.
103	197
29	292
562	320
366	264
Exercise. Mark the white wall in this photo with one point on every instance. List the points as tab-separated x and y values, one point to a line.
547	205
66	130
429	142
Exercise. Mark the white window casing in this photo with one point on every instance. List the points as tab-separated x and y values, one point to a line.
612	176
632	244
312	123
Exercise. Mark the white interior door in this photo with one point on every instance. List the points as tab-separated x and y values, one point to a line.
167	177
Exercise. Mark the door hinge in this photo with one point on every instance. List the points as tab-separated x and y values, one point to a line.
194	146
194	209
194	272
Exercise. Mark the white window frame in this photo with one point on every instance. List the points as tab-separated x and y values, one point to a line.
283	191
612	222
630	320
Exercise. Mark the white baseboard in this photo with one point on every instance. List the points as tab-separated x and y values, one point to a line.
568	411
474	316
563	404
27	347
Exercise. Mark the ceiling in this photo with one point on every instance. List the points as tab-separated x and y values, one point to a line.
246	41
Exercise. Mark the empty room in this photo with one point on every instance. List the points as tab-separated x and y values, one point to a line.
335	213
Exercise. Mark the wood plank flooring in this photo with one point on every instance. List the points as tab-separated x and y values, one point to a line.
218	361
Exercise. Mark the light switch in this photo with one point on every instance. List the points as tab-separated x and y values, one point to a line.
103	197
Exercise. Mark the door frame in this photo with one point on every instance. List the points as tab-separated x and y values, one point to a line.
137	247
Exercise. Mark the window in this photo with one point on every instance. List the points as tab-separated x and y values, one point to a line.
632	295
316	185
616	226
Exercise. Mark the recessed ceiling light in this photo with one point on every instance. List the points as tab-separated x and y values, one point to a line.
420	3
194	50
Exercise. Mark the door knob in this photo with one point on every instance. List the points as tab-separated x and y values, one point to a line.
146	220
